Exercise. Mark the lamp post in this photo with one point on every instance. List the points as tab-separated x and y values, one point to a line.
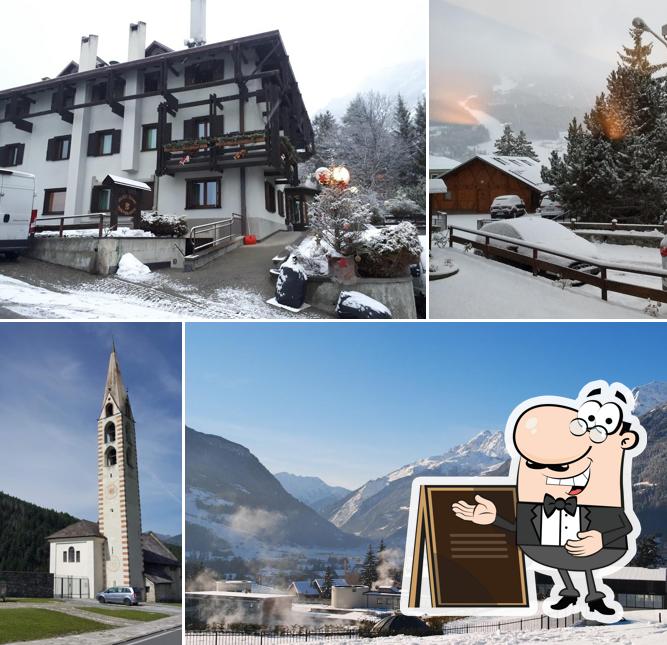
640	24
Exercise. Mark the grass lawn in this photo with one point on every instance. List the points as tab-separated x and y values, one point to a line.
27	624
128	614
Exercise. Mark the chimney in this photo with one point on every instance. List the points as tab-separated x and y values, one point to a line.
88	56
137	42
197	23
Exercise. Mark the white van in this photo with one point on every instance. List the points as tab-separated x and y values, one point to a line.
17	216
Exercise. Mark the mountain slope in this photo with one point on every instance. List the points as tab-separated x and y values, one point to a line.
23	532
649	396
379	508
312	491
229	492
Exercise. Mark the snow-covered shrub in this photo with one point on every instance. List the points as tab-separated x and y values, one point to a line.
389	252
356	305
313	256
164	225
404	208
338	217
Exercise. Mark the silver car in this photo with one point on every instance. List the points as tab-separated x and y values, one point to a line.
118	595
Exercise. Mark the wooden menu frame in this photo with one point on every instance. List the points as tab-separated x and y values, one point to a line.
469	565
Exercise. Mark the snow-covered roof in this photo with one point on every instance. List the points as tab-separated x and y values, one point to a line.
237	594
639	573
524	168
304	587
124	181
436	163
335	582
437	186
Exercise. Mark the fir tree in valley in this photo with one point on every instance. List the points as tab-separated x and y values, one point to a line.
505	144
523	147
648	553
369	574
328	583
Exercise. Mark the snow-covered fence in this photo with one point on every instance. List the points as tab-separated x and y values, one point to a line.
80	222
614	225
519	625
540	264
228	637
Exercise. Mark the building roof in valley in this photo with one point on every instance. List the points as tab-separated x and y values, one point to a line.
436	162
155	551
305	588
437	186
335	582
238	594
524	169
156	574
80	529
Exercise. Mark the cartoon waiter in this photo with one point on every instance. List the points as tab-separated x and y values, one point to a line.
574	493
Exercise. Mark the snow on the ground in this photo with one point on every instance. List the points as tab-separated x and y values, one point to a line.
630	633
485	288
363	303
130	268
122	231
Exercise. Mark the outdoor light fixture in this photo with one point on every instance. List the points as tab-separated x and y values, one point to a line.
639	23
340	175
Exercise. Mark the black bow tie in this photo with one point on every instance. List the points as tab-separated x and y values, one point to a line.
551	504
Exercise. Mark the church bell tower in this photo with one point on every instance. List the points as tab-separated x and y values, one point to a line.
119	508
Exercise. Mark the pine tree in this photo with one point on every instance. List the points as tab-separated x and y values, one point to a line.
328	583
369	574
648	553
404	142
505	145
381	548
420	138
327	134
523	147
637	57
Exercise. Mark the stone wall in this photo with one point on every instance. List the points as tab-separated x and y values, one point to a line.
28	584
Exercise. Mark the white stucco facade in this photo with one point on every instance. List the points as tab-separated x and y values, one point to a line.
78	558
81	173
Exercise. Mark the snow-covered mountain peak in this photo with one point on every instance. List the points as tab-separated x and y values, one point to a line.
649	396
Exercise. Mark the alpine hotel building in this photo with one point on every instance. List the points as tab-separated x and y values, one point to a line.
214	130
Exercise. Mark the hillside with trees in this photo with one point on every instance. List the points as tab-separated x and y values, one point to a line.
23	532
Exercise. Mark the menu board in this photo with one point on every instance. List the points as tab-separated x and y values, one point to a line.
469	565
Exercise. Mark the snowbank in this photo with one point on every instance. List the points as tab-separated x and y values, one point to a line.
129	268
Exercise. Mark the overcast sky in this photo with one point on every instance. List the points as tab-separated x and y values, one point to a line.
51	390
333	46
353	402
475	44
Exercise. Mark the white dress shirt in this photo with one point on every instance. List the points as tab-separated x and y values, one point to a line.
560	527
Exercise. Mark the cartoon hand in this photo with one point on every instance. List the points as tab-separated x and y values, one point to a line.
484	512
589	542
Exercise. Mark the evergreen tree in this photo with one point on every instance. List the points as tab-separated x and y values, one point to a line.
648	553
369	574
327	134
381	548
505	145
637	57
328	583
404	143
420	138
523	147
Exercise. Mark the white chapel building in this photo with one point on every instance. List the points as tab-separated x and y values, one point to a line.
88	557
213	130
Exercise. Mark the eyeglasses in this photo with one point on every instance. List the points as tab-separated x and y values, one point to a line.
579	427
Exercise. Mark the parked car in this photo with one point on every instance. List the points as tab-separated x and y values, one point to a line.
17	217
118	595
544	232
550	208
507	206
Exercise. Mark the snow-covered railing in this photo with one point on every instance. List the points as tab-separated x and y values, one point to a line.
57	222
518	625
538	264
614	225
220	233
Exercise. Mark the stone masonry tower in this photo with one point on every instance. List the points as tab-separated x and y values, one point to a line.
118	505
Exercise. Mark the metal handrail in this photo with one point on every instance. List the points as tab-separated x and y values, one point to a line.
213	227
53	221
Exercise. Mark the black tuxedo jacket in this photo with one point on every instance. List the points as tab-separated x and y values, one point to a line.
612	522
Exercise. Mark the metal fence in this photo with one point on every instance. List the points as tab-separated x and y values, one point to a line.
266	637
66	587
522	624
57	223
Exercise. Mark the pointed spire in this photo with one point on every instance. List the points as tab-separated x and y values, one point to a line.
115	385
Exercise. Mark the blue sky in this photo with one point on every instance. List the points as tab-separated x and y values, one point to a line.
51	388
350	402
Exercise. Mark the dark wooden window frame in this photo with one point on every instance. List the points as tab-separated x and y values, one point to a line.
281	203
205	72
97	138
152	81
269	197
54	149
144	136
95	200
47	193
12	149
189	201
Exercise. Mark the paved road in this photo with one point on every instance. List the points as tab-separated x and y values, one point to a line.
173	637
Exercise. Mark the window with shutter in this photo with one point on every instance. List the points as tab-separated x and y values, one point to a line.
149	137
218	125
270	197
281	203
115	146
12	155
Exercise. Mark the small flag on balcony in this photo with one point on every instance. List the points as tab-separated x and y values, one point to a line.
185	160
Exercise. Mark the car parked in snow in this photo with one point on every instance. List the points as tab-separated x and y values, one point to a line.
550	208
118	595
17	217
506	206
539	231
